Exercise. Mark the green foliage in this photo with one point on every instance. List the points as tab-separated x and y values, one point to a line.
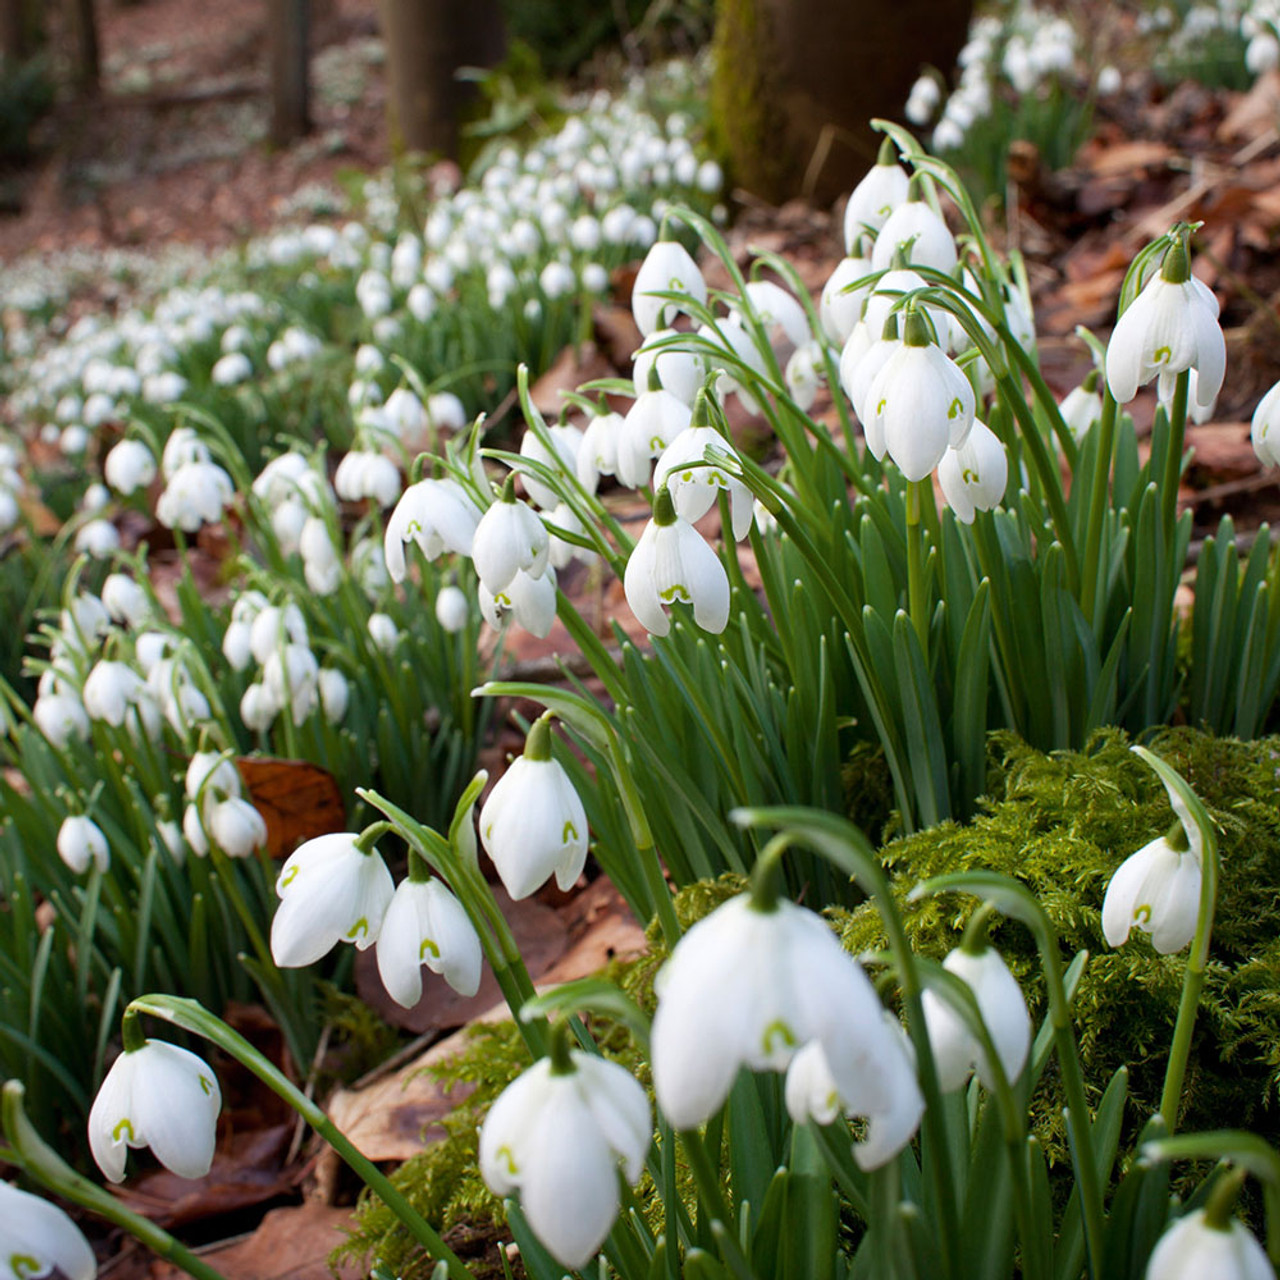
1062	824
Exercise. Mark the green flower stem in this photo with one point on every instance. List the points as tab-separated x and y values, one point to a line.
592	648
917	593
1098	506
192	1017
712	1197
41	1163
1173	459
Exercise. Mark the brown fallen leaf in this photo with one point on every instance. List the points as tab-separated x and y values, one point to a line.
297	800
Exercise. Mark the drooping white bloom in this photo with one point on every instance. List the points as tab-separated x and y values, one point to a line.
533	824
509	537
651	424
775	308
129	467
840	308
882	189
925	237
1192	1249
890	1099
125	600
1157	889
335	694
383	632
750	986
80	842
1081	407
362	474
556	1135
97	538
919	404
292	678
273	625
679	372
113	690
37	1237
231	369
158	1096
452	609
922	101
1004	1010
258	709
438	515
1265	433
1170	326
671	563
973	476
321	563
530	601
237	827
61	717
195	494
667	268
330	891
184	446
426	924
566	441
694	489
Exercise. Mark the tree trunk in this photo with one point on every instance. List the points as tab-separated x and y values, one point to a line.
427	41
287	31
797	81
82	32
13	31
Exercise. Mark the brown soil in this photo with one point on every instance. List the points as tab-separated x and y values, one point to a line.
175	145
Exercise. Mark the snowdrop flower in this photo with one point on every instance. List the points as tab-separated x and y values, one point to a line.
335	694
694	489
973	476
805	373
112	690
1003	1009
1170	326
922	101
237	827
383	632
125	600
679	372
923	235
1158	888
439	515
258	709
882	189
1196	412
37	1237
510	537
236	639
839	310
452	609
61	717
667	268
80	842
556	1134
651	424
776	308
533	824
566	442
195	495
183	446
752	984
731	337
97	538
530	601
1265	433
159	1096
321	564
919	404
1194	1247
129	467
270	626
671	563
426	924
332	889
362	474
1109	82
164	388
233	368
1081	407
891	1100
291	679
598	450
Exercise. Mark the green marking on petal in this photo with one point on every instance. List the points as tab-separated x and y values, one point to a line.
880	407
206	1084
656	443
1142	914
505	1153
777	1030
361	926
412	529
1162	355
956	408
570	832
125	1124
503	599
23	1265
428	948
290	875
969	477
674	593
686	475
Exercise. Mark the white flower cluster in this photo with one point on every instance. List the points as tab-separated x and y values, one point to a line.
11	487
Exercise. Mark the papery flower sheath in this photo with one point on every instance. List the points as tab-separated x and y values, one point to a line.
158	1096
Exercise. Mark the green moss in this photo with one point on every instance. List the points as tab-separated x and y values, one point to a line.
1062	824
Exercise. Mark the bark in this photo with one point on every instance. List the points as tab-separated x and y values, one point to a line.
288	26
797	81
82	32
427	41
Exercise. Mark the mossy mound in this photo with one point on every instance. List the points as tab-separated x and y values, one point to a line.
1062	824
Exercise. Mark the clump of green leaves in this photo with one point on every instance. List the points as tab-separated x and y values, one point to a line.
1062	824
